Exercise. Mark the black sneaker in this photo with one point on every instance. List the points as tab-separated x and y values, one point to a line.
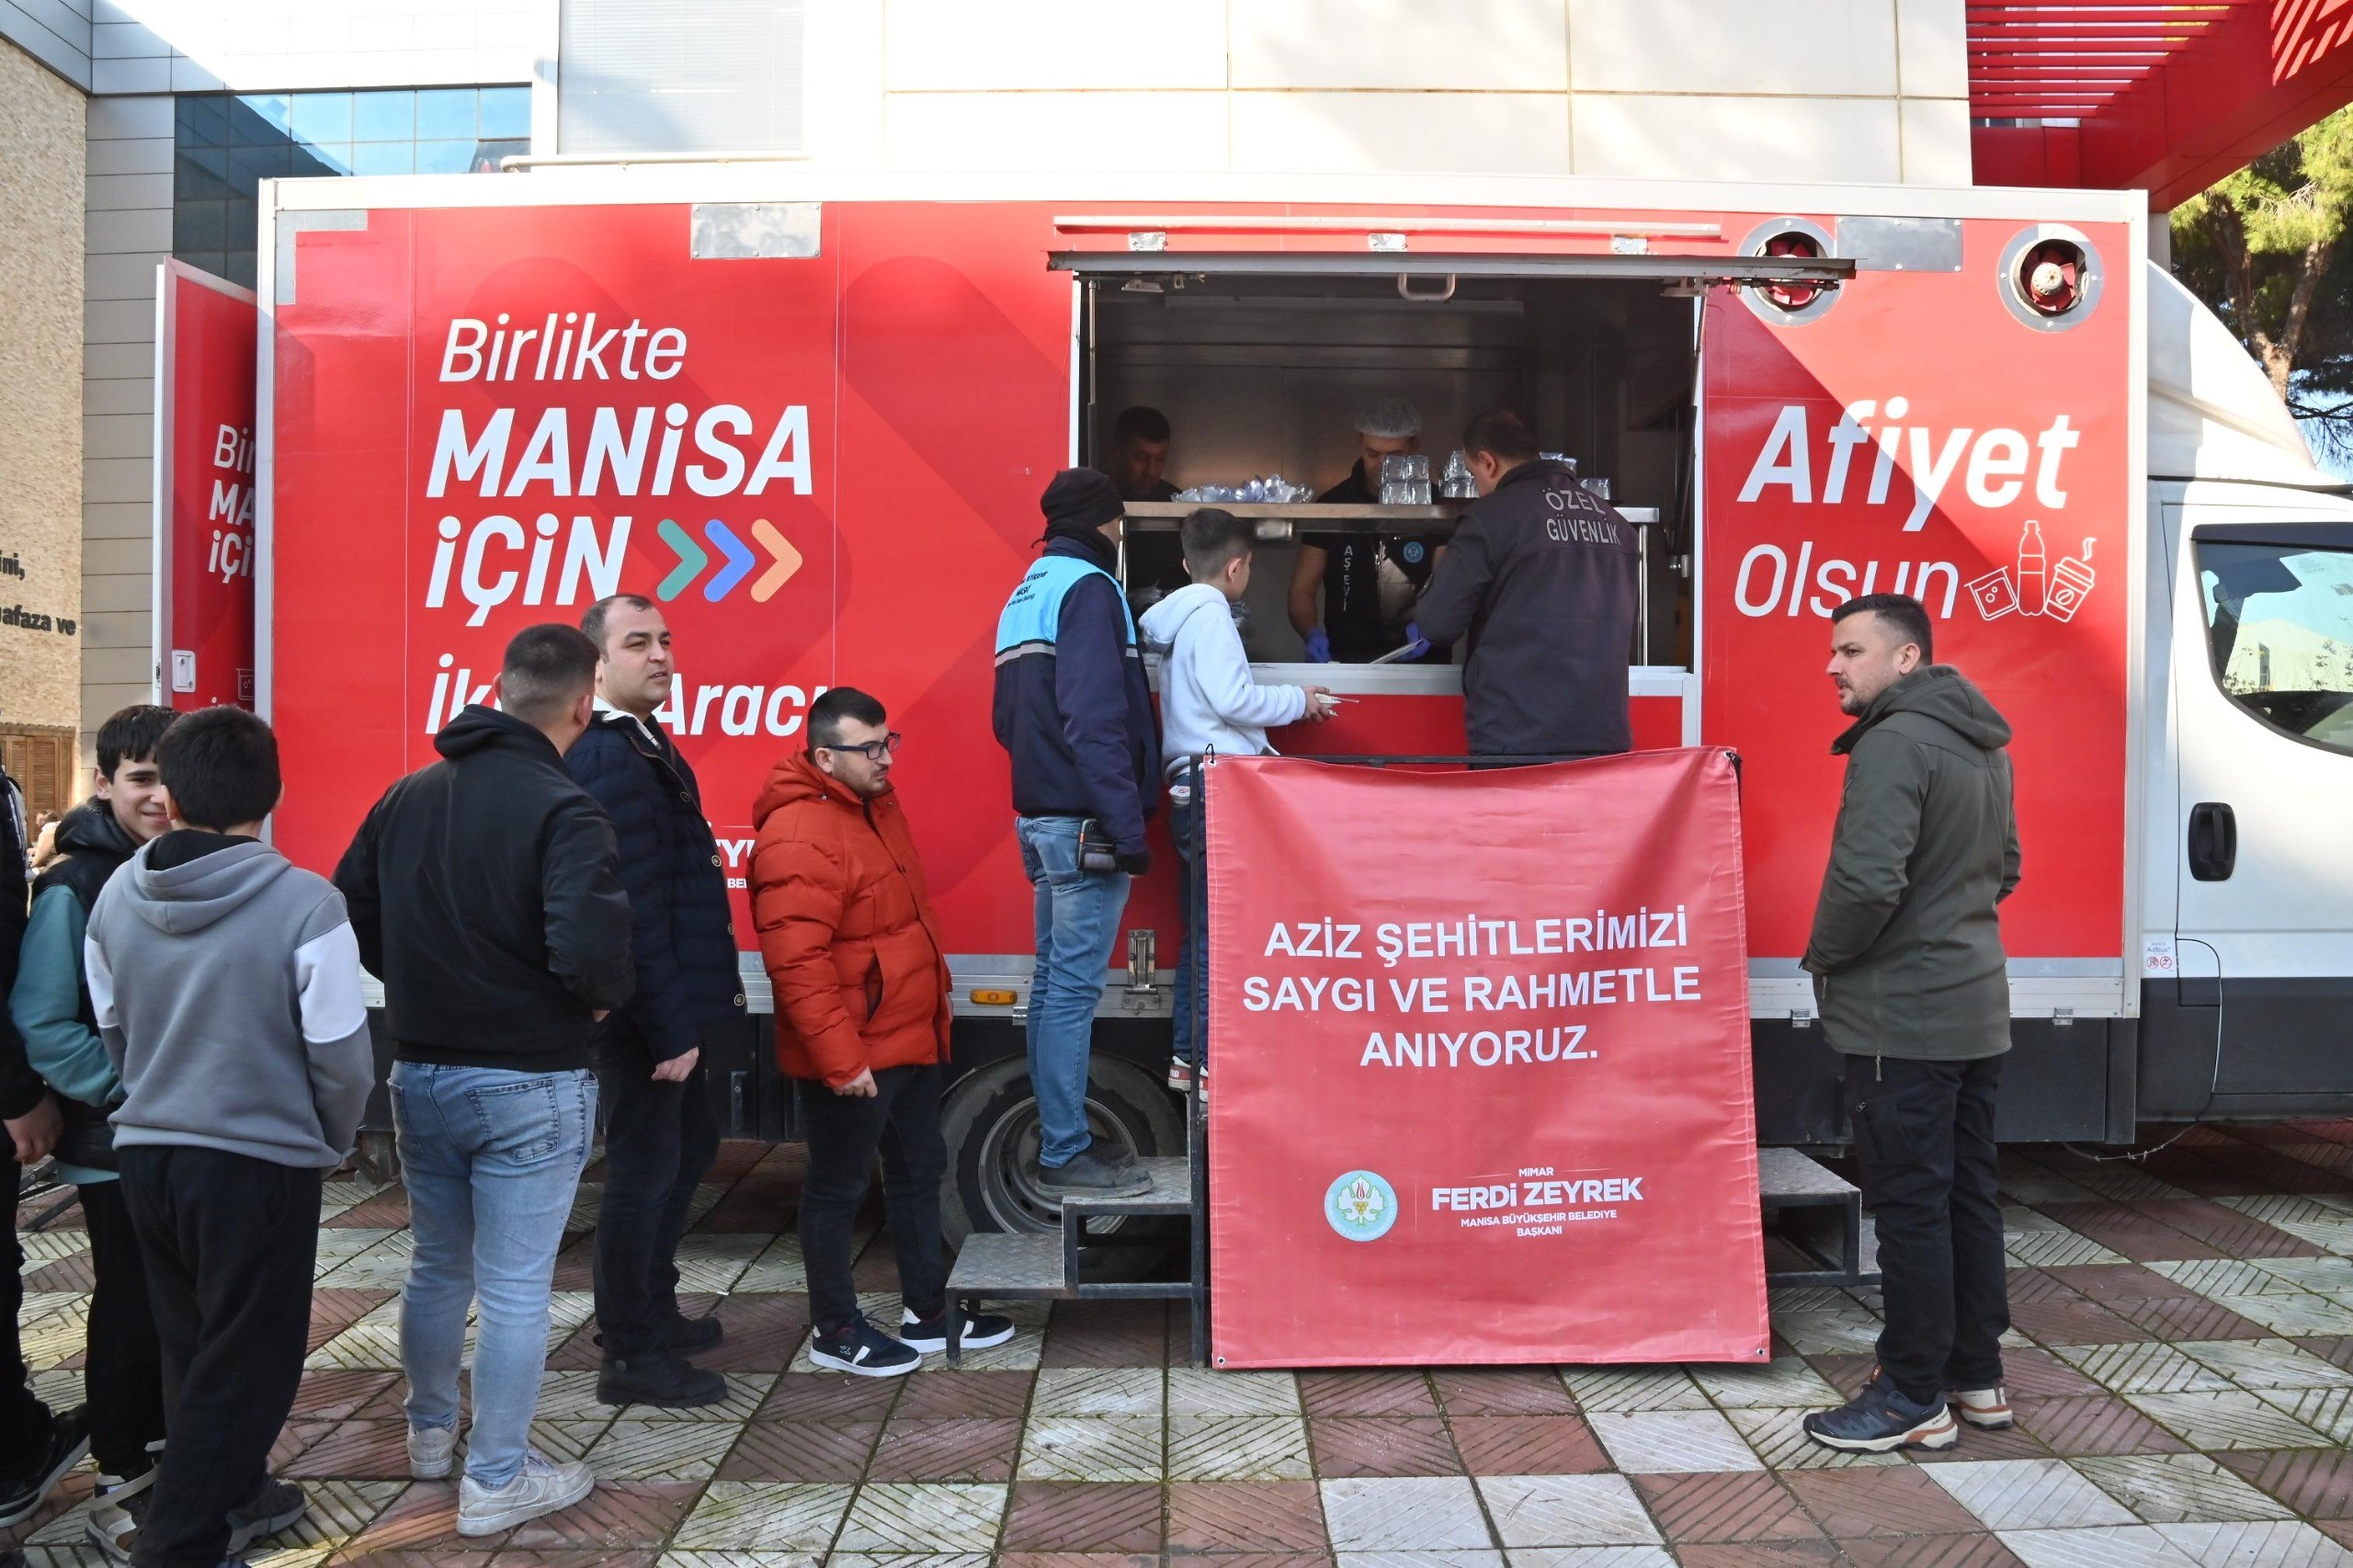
1120	1157
660	1377
69	1443
1879	1419
1091	1176
862	1351
691	1337
278	1506
930	1335
117	1507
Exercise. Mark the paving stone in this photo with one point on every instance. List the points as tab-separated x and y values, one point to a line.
2025	1494
1371	1445
2112	1546
1081	1516
1503	1390
957	1448
969	1394
2322	1273
2227	1420
2172	1489
2116	1284
1554	1510
1583	1557
659	1450
1381	1393
1238	1448
1528	1445
827	1397
2074	1322
2097	1424
766	1515
918	1516
1195	1391
2327	1411
2269	1544
1098	1391
2228	1277
2144	1367
1779	1438
1739	1506
2267	1364
1894	1500
1979	1551
1228	1515
1652	1442
2300	1314
2318	1484
801	1450
1786	1383
1634	1388
1092	1447
1812	1334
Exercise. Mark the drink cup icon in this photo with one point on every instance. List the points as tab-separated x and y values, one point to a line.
2070	581
1994	594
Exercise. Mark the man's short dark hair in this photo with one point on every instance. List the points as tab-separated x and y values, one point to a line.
220	765
1139	424
1502	434
130	735
1904	616
547	669
836	705
1211	537
592	625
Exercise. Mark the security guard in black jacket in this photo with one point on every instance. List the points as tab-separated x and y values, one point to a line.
1542	576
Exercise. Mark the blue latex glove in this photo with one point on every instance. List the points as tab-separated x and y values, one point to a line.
1319	647
1415	644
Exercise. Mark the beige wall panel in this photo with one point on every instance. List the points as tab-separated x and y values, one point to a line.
1732	46
42	131
1481	45
1027	45
1640	137
1519	133
1936	142
1056	130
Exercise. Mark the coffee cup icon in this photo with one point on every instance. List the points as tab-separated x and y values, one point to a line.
2070	581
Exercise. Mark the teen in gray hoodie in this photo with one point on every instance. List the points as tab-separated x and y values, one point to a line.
226	986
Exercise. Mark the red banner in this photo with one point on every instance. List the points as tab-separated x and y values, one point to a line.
1481	1094
204	490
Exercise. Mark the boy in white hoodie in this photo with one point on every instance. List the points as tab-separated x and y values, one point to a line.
1209	703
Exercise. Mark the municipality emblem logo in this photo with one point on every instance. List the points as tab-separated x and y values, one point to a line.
1361	1206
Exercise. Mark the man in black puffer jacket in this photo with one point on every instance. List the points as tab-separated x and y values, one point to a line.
660	1133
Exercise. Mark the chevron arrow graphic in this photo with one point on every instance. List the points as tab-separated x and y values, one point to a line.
692	558
788	560
740	561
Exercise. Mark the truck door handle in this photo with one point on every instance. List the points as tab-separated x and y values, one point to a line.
2213	841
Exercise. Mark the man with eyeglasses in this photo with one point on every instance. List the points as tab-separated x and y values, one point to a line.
854	952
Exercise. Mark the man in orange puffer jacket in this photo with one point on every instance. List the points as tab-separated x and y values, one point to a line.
852	948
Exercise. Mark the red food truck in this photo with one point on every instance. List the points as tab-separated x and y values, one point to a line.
810	413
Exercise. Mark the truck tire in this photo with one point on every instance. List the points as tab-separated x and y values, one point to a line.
990	1125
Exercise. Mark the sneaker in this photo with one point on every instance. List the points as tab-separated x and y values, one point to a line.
69	1442
1180	1076
1879	1419
276	1506
929	1335
862	1351
1091	1175
660	1377
1988	1409
542	1487
691	1337
116	1509
431	1451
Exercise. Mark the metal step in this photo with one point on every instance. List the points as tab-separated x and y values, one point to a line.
1820	1219
1171	1193
998	1265
1787	1179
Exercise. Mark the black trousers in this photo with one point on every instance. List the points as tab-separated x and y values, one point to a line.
1924	1141
124	1373
660	1138
231	1244
24	1420
901	1124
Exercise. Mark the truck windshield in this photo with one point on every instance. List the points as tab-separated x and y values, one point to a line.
2280	623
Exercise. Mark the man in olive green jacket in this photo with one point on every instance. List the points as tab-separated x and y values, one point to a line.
1913	989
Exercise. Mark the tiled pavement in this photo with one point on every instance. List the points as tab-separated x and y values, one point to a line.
2182	1365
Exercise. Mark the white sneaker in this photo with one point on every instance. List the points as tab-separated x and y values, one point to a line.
1986	1408
431	1450
542	1487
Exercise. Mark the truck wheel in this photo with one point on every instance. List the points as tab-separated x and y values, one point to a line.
990	1124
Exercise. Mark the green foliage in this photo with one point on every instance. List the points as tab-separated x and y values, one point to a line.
2265	248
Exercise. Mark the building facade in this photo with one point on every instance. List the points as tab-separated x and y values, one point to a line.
134	129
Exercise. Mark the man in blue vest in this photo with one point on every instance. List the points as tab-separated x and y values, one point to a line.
1075	711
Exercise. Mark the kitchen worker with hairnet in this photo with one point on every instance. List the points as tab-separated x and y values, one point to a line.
1370	580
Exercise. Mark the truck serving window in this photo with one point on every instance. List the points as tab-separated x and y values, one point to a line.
2279	621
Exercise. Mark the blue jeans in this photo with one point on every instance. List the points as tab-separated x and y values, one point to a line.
491	1159
1077	919
1192	1002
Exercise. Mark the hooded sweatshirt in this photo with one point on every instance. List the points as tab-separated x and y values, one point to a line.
847	929
1907	949
1208	702
226	984
48	1004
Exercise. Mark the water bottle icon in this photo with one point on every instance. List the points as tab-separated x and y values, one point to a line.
2034	570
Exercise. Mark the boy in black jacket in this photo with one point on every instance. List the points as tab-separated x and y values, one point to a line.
660	1133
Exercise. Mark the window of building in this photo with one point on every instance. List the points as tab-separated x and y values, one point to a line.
2280	619
226	144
